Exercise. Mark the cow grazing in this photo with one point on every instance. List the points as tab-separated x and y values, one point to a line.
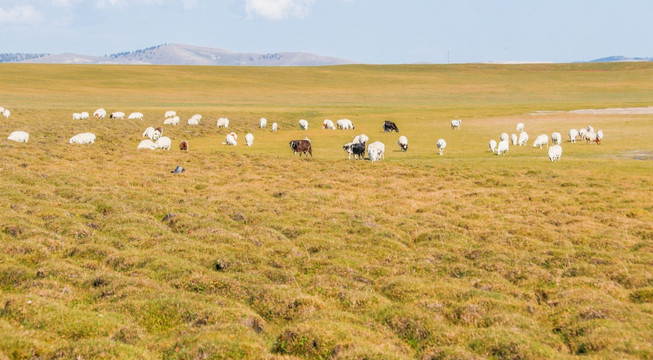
390	126
301	146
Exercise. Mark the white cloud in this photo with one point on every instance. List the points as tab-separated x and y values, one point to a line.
277	9
20	14
102	4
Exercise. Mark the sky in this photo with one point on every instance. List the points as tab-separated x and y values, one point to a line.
363	31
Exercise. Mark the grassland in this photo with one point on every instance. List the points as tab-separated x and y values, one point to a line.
253	253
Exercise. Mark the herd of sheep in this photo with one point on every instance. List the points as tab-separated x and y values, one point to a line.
357	148
555	151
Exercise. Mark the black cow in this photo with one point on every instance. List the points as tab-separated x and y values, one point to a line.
390	126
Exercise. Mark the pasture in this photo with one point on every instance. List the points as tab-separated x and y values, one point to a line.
254	253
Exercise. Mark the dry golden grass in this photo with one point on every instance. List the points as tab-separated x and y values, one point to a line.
254	253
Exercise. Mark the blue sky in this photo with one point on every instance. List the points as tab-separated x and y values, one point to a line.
368	31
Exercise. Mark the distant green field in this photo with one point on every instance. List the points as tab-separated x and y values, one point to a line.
255	253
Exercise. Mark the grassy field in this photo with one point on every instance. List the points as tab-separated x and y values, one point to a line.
253	253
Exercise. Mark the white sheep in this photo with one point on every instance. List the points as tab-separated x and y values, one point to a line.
249	139
504	136
2	109
493	145
520	127
303	124
83	138
262	123
403	143
523	138
541	140
232	139
344	124
456	124
599	135
157	134
135	115
146	144
441	144
555	152
581	133
573	134
171	121
376	151
328	124
19	136
149	132
222	122
192	121
361	139
6	113
77	116
100	113
556	138
590	128
503	147
513	139
163	142
117	115
590	137
274	127
170	113
85	115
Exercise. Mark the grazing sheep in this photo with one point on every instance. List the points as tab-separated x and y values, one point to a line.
249	139
303	124
503	147
344	124
301	146
77	116
556	138
555	152
573	134
232	139
19	136
6	113
146	144
163	142
441	144
117	115
328	124
493	145
183	145
83	138
513	139
156	134
149	132
504	136
170	113
456	124
541	140
591	137
171	121
523	138
2	109
274	127
192	121
520	127
389	126
85	115
599	135
590	128
581	133
361	139
403	143
100	113
135	115
222	122
263	123
376	151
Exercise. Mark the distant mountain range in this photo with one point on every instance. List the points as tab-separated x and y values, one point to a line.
621	58
180	54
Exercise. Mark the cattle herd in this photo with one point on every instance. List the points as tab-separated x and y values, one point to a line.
356	149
